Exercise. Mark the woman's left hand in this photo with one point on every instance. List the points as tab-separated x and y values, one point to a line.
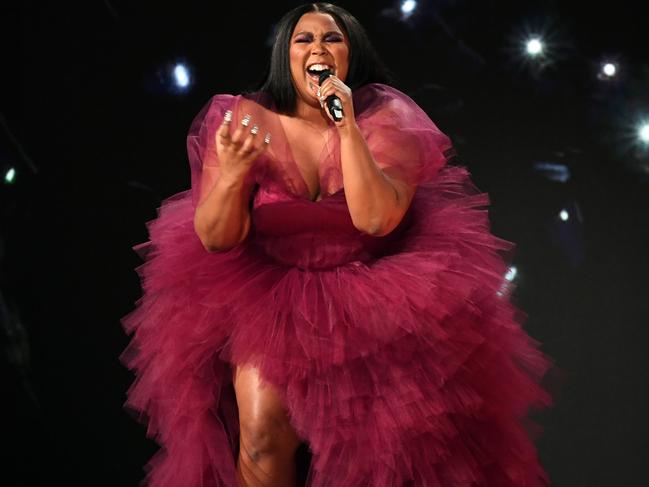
334	86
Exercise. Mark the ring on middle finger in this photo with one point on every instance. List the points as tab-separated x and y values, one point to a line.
246	120
254	130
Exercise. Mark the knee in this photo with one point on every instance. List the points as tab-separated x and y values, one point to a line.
267	437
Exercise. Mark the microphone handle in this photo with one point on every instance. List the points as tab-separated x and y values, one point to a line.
334	105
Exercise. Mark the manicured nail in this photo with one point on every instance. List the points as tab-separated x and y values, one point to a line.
267	138
228	116
246	120
254	130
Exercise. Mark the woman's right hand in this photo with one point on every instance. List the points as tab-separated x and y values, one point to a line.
238	151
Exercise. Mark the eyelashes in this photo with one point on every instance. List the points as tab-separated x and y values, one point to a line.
328	39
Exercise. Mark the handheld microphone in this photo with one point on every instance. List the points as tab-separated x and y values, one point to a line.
334	105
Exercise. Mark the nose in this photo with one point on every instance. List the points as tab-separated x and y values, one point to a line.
318	47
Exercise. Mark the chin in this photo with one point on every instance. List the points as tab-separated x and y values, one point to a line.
308	97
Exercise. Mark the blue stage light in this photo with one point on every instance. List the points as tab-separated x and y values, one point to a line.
181	76
553	171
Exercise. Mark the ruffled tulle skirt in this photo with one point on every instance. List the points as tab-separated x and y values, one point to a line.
410	369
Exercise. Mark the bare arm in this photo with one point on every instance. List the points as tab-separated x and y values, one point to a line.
376	202
222	218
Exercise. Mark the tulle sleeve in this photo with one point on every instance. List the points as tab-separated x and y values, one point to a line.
201	144
403	140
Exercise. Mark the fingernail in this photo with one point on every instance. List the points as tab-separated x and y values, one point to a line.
267	138
254	130
246	120
228	116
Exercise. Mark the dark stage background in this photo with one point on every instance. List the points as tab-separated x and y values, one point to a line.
97	139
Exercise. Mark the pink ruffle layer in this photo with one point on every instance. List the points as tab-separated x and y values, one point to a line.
408	368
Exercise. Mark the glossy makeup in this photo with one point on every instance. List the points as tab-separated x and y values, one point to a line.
316	39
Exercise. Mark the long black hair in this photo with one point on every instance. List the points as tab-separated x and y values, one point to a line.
365	66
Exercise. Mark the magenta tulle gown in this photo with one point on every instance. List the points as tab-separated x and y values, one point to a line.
400	359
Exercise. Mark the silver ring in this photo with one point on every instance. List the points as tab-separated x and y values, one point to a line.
246	120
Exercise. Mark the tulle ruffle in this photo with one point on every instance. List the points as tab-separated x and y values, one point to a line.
408	368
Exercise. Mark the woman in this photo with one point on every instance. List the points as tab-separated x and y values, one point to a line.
332	283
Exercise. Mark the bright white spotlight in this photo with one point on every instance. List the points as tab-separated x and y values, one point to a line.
10	176
609	69
511	273
564	215
408	7
643	133
181	76
534	46
537	45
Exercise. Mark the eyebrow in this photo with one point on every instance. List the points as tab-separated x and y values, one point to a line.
326	33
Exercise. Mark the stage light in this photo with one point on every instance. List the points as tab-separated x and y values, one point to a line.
631	140
538	44
609	69
643	133
553	171
408	7
511	273
181	76
10	176
534	47
564	215
174	77
508	285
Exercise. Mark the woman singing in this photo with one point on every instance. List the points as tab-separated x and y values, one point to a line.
329	280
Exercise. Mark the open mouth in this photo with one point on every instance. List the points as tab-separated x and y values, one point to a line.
313	71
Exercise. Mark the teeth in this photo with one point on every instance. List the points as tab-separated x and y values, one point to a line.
318	67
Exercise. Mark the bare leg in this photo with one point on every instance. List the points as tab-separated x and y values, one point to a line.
267	442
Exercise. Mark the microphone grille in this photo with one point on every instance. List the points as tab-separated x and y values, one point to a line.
324	75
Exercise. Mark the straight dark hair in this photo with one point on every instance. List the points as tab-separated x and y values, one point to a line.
365	66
